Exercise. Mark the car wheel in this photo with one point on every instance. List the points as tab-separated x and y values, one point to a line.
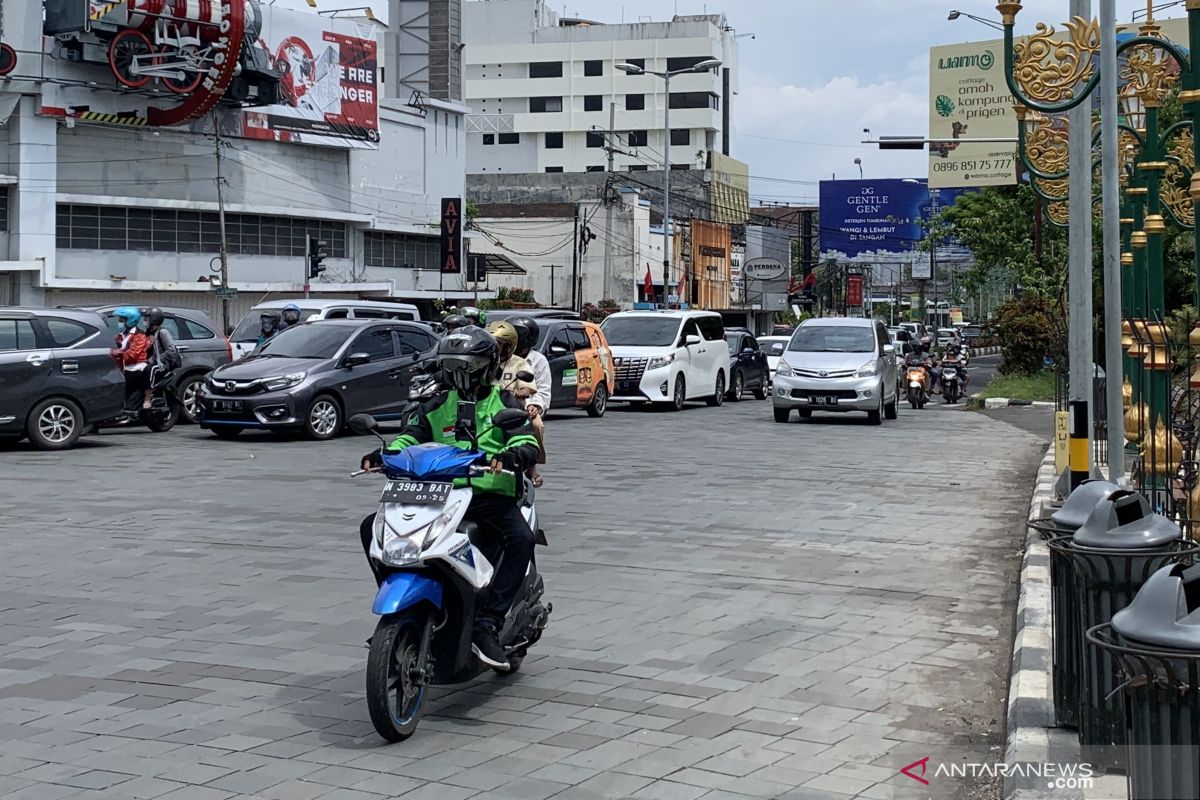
54	424
782	414
187	392
718	395
875	417
599	402
760	391
889	409
739	387
680	395
323	420
227	431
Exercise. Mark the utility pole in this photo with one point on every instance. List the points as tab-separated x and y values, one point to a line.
1112	240
552	268
608	202
1079	280
575	263
223	252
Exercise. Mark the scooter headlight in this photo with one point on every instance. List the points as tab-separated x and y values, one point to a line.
399	550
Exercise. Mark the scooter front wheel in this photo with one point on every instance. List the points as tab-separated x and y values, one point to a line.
395	691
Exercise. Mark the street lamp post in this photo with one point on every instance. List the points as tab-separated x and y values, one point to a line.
666	75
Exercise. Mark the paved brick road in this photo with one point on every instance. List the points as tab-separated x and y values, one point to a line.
743	610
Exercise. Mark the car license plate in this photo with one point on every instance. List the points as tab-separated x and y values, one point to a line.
416	493
823	400
228	406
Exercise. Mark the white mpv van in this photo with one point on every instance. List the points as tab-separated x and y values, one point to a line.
668	356
245	336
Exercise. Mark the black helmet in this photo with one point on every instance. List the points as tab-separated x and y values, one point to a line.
527	333
468	359
454	322
269	320
154	317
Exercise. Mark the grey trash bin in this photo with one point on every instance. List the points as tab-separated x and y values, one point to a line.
1113	554
1155	643
1066	645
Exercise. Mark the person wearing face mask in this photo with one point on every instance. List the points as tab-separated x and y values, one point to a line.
132	356
291	316
268	326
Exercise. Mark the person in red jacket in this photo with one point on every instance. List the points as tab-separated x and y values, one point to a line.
132	356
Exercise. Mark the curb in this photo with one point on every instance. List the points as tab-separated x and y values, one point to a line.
977	403
975	352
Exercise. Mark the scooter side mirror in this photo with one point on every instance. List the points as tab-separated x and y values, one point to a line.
363	424
526	375
510	419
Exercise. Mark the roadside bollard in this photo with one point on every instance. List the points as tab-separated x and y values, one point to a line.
1113	554
1066	644
1155	643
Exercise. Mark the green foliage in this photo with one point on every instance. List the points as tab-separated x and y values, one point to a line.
598	313
1026	335
510	297
1036	386
472	210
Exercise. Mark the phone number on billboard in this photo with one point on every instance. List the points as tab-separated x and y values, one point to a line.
974	166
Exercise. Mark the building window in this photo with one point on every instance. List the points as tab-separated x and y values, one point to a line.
681	167
545	69
637	62
489	138
554	169
685	62
554	141
401	250
681	137
545	105
593	102
595	168
595	139
635	102
695	100
4	209
510	138
593	69
638	167
638	139
167	230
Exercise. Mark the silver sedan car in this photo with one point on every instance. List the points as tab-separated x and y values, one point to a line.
837	364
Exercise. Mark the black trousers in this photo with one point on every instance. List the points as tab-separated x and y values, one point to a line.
500	521
135	387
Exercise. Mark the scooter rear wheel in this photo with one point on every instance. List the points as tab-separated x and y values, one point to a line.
394	698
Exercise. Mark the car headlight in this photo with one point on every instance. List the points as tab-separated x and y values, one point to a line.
784	369
657	362
284	381
868	370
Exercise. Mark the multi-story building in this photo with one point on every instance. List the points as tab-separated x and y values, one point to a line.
112	114
546	95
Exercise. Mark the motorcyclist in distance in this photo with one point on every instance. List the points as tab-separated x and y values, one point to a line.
291	316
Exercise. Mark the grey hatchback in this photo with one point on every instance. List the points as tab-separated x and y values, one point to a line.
201	345
57	379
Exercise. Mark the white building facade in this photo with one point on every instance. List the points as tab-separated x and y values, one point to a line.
545	92
101	204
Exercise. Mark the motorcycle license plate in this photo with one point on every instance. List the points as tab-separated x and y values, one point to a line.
823	400
416	493
228	406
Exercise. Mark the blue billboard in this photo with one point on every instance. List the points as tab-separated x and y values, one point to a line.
870	221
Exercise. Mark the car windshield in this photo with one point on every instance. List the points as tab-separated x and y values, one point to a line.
306	341
640	331
251	325
734	346
832	339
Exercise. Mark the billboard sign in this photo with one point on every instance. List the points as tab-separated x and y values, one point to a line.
329	86
864	220
854	290
764	269
451	234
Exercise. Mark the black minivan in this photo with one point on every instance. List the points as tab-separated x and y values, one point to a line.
57	379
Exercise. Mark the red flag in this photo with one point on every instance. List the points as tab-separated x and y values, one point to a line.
649	284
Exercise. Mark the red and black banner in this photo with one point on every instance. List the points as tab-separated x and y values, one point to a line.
452	208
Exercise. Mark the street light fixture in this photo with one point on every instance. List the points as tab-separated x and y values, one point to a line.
858	163
633	69
991	23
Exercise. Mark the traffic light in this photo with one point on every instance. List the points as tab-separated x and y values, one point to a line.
316	255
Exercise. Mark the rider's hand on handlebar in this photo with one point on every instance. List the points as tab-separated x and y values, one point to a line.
372	460
497	466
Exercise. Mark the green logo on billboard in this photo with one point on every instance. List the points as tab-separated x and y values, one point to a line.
944	105
985	60
982	61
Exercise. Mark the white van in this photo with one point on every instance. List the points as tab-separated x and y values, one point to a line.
668	356
245	335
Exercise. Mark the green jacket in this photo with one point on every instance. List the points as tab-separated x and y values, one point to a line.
435	422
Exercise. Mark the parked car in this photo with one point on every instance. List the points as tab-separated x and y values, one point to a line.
668	357
581	364
748	367
773	347
837	364
317	375
201	344
903	342
539	314
245	335
57	379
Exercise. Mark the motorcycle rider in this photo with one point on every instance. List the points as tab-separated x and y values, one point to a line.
527	336
130	353
454	322
268	326
291	316
918	355
475	316
512	365
469	360
955	354
163	355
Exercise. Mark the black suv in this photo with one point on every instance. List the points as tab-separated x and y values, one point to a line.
57	379
316	375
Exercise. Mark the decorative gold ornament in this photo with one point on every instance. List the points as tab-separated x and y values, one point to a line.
1194	189
1161	450
1126	394
1126	336
1059	212
1176	189
1139	339
1138	239
1194	502
1051	70
1149	71
1008	11
1159	358
1126	220
1137	191
1155	224
1053	189
1194	338
1136	420
1047	139
1126	259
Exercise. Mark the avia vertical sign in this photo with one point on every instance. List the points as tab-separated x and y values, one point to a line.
451	235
